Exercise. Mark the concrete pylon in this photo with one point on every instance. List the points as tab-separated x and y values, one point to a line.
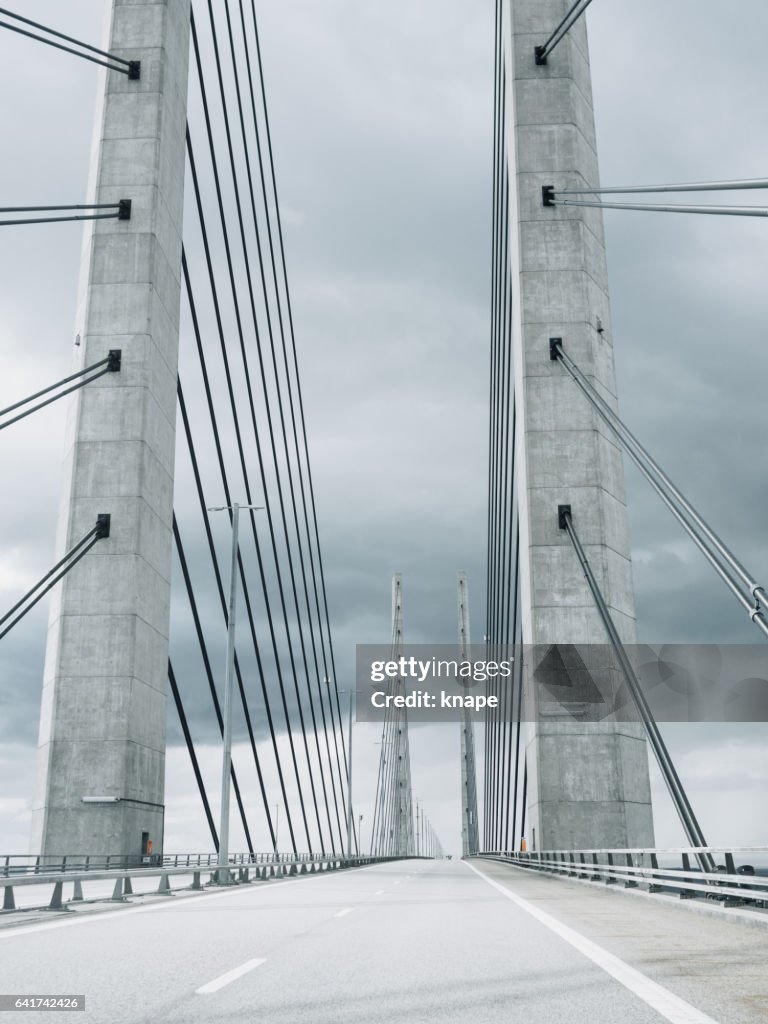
102	727
469	824
588	782
403	812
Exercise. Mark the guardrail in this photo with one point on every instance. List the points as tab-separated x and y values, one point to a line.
26	864
243	868
658	870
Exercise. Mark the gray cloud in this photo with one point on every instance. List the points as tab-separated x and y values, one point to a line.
381	120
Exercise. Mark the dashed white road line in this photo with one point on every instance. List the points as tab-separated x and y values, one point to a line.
671	1007
230	976
344	912
379	892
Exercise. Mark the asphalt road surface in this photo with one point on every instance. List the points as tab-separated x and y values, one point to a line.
398	943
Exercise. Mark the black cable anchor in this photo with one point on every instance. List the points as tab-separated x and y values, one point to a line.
540	53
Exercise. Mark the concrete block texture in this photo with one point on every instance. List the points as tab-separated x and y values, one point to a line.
102	728
588	782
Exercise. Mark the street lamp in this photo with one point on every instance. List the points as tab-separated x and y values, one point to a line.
349	768
229	674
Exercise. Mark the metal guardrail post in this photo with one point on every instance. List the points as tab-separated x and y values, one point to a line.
730	869
653	887
630	883
687	894
595	876
609	879
56	903
8	901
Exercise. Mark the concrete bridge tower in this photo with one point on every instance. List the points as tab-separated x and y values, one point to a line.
588	781
102	729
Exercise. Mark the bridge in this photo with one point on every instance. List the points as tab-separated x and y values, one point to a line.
193	600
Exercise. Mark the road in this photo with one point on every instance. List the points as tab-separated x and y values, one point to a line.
399	943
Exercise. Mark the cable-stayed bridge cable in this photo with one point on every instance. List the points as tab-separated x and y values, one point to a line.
712	547
25	604
240	334
207	664
677	792
300	403
286	447
111	364
131	68
267	404
193	755
220	587
559	33
122	211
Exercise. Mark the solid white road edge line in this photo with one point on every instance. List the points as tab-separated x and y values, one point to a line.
233	975
671	1007
343	913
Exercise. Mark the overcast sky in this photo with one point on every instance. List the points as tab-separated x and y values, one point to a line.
382	117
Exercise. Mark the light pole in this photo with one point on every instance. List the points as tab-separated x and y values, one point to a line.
229	674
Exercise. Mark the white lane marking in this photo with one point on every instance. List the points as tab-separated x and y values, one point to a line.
73	920
379	892
343	913
670	1006
233	975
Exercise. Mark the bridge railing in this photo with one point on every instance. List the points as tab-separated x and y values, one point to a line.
244	868
737	875
31	864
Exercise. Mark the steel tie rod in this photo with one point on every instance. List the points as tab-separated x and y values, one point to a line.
721	211
670	494
111	364
122	211
52	577
549	197
671	778
131	68
574	13
695	186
